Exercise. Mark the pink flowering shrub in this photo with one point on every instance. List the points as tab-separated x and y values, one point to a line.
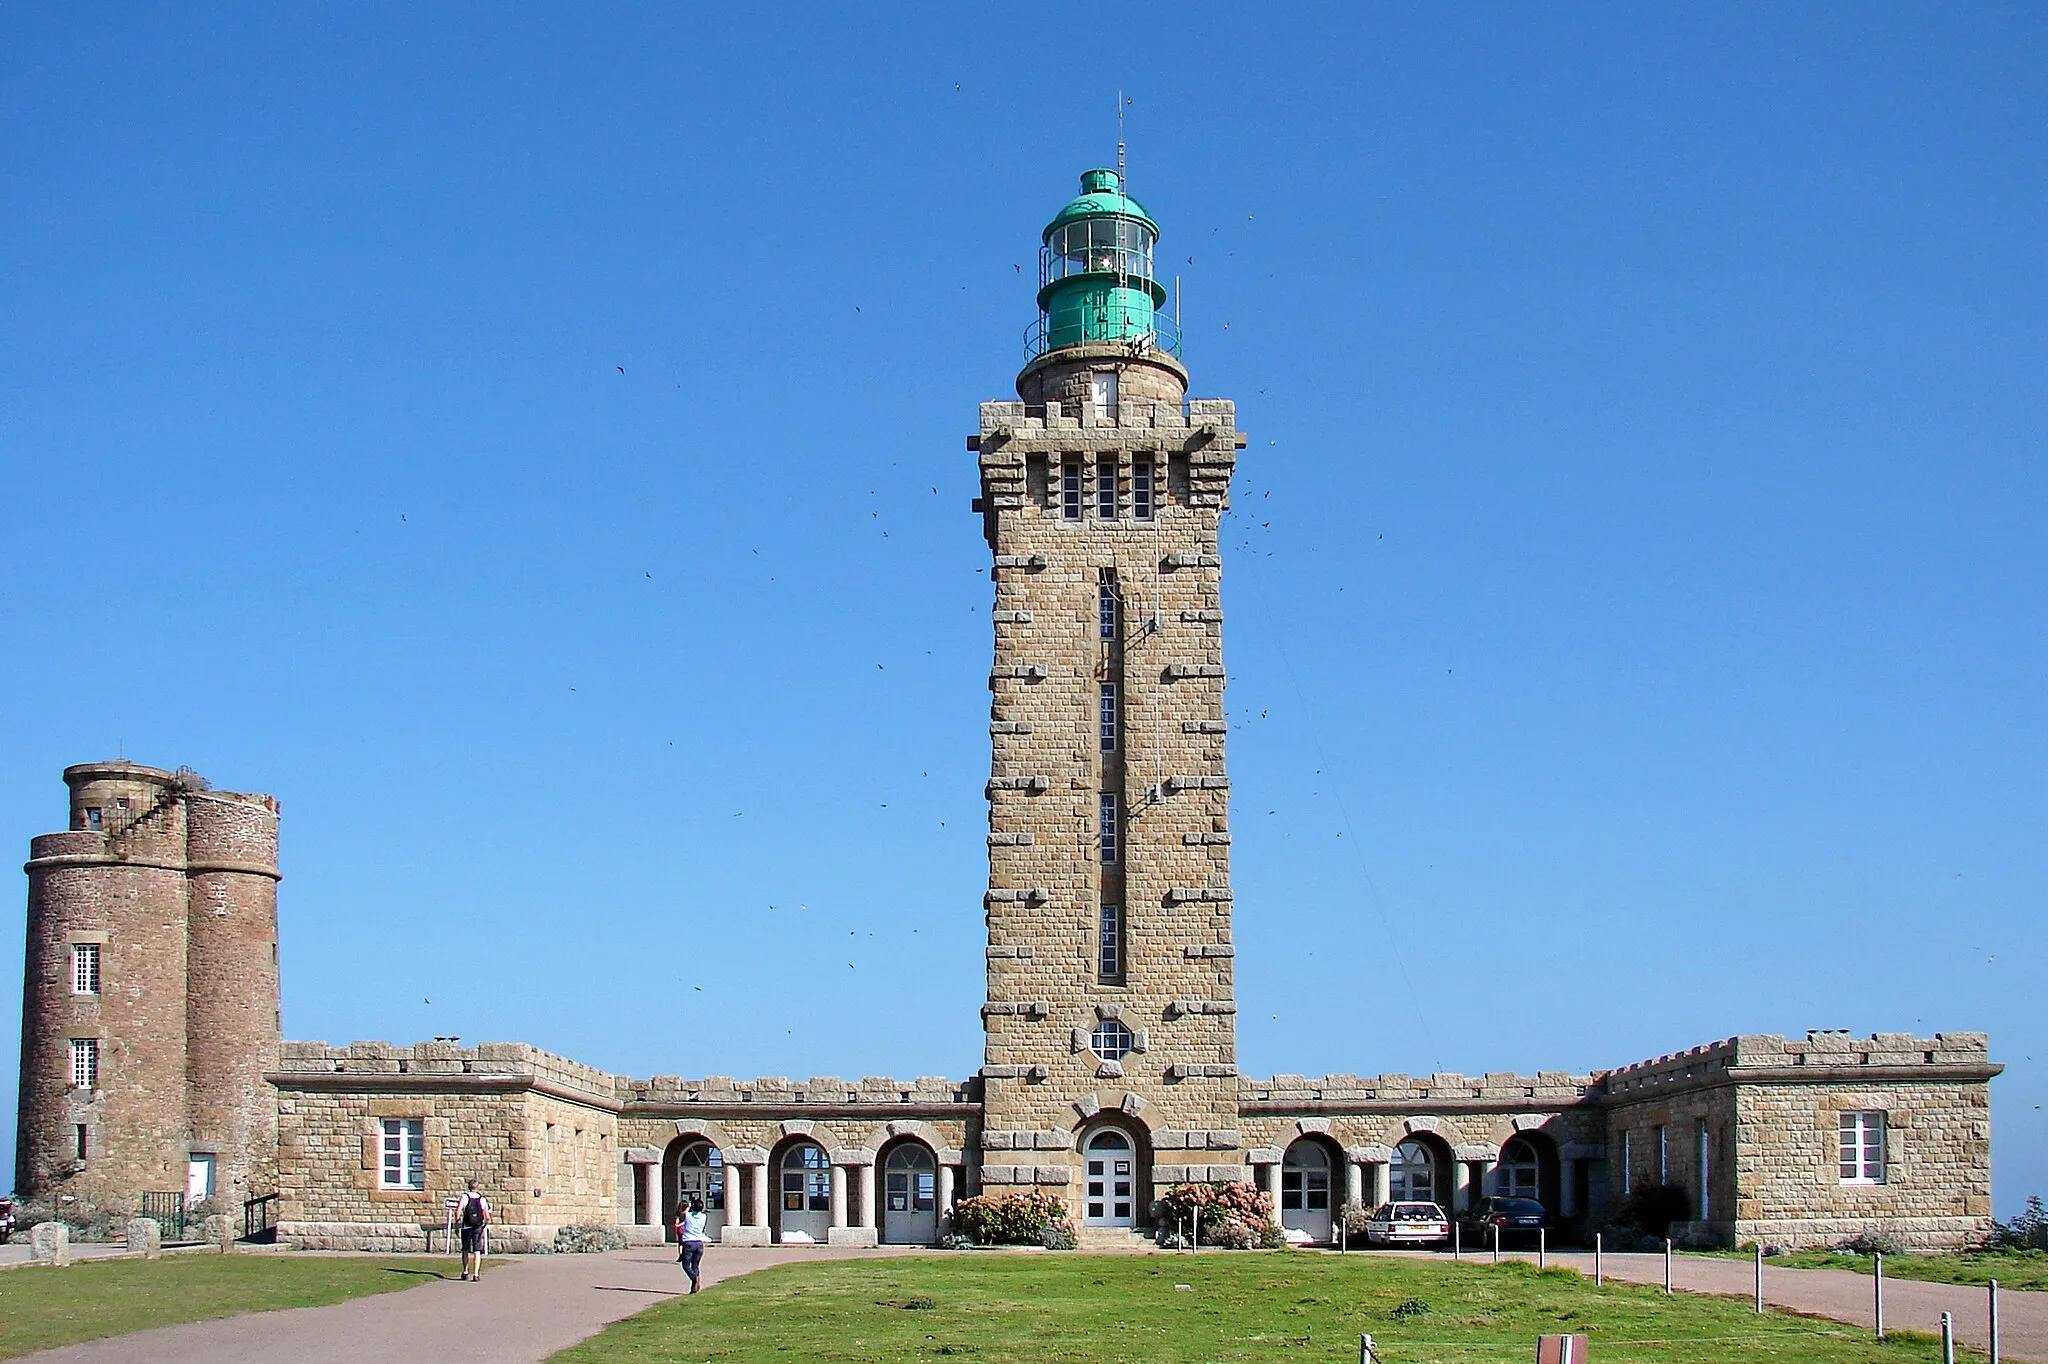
1234	1215
1010	1219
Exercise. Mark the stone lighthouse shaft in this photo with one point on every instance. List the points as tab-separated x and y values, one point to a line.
1110	1021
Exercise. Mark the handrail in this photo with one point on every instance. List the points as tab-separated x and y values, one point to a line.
1164	336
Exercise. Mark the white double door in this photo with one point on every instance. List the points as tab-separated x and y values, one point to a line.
1112	1180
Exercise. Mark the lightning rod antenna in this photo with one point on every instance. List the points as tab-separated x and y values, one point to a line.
1120	179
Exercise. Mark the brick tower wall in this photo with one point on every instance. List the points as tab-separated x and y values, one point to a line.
231	1007
122	887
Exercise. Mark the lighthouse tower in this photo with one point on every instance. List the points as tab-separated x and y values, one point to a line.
1111	1014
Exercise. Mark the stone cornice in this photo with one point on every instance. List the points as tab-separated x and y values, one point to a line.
387	1082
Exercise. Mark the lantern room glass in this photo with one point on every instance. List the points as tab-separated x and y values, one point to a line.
1103	246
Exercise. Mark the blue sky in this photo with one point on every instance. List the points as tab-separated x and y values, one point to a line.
1635	579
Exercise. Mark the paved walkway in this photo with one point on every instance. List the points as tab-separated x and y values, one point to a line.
1846	1296
521	1312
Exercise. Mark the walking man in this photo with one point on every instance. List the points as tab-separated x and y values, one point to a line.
473	1217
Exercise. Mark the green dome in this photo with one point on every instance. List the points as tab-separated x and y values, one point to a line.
1101	196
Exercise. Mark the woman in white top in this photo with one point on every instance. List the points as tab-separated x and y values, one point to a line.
690	1233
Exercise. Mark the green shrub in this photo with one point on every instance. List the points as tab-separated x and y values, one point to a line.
1871	1243
2028	1231
1010	1219
1650	1210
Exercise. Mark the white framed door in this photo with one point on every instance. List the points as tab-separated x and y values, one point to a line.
1112	1180
1305	1190
700	1173
805	1177
910	1201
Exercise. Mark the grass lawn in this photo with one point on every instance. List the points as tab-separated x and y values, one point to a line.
2012	1268
42	1307
1289	1306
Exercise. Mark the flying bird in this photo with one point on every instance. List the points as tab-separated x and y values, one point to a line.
620	368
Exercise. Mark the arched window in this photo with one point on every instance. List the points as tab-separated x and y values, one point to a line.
700	1173
806	1179
1520	1172
1305	1178
1112	1041
1412	1178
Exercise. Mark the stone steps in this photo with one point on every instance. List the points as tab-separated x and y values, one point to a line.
1113	1238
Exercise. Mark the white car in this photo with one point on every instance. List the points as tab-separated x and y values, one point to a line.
1408	1224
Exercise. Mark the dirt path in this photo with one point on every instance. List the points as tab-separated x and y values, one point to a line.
520	1313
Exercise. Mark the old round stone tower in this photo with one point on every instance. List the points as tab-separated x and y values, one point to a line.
150	994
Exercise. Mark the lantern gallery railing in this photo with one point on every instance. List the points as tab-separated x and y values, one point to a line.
1137	326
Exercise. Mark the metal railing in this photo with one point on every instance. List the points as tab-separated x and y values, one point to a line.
259	1218
168	1211
1163	334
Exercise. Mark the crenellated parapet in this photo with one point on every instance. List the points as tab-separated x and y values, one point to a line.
1822	1056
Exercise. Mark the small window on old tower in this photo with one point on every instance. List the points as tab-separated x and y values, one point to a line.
78	1135
1108	720
85	968
1141	490
1070	490
85	1062
92	817
1108	610
1109	826
1102	388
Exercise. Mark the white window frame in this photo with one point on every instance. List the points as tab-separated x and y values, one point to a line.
85	968
1108	610
1109	951
85	1062
1102	392
1860	1147
1142	502
402	1154
1108	717
1109	818
1073	490
1112	1040
1702	1158
1107	503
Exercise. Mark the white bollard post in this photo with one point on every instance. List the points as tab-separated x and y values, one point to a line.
1457	1246
1196	1244
1599	1268
1877	1288
1948	1339
1667	1264
1365	1351
1542	1247
1759	1278
1496	1243
1994	1321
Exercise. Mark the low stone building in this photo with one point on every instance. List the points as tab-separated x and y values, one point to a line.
150	1040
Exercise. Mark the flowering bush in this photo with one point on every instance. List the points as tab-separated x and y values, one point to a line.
1010	1219
1234	1215
588	1238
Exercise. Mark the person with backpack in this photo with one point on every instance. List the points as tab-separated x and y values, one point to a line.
691	1238
473	1217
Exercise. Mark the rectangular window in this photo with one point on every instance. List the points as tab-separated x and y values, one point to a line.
85	968
79	1133
1110	824
1102	388
1070	490
1110	962
1700	1153
405	1154
92	817
1108	610
1863	1148
1105	487
1627	1174
85	1062
1108	717
1141	489
1663	1157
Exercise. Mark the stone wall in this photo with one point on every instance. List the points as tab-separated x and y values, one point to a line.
538	1133
1774	1109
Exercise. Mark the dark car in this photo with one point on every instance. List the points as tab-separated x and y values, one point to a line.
1518	1220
